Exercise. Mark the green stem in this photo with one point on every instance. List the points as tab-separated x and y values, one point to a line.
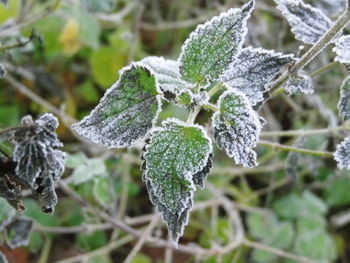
295	149
324	68
211	107
193	115
216	89
45	252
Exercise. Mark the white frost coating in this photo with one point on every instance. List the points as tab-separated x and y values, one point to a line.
168	76
213	45
171	161
342	49
125	114
308	23
237	127
18	232
302	83
344	100
253	69
342	154
332	7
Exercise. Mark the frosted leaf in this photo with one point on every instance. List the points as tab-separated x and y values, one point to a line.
11	191
344	100
308	23
342	154
2	71
127	111
18	232
332	7
252	70
3	259
39	160
7	213
173	155
199	177
185	98
342	49
237	127
168	76
301	83
213	45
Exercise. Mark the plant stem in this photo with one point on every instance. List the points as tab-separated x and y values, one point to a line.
292	133
10	129
216	89
210	106
324	68
324	41
296	149
193	115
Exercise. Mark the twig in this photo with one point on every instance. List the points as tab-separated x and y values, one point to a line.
292	133
45	252
116	18
143	238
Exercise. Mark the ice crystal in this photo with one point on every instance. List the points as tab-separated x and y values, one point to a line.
38	157
18	232
342	154
168	76
301	83
213	45
342	49
308	23
127	111
344	100
175	154
237	127
252	70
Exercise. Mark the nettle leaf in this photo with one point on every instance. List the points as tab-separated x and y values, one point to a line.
7	213
11	191
177	156
237	127
167	73
342	154
213	45
342	49
344	100
127	111
3	259
252	70
18	232
39	161
332	7
301	83
308	23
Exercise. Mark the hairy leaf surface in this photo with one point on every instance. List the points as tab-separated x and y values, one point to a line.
237	127
127	111
39	160
301	83
252	70
167	73
342	154
174	155
213	45
18	232
344	100
342	49
308	23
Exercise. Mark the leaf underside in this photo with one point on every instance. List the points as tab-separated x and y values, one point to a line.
39	161
237	127
342	49
213	45
301	83
127	111
252	70
342	154
344	100
176	157
308	23
18	232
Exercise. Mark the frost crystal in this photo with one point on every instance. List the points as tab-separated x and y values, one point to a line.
342	49
213	45
237	127
308	23
301	83
252	70
18	232
344	100
168	76
342	154
174	155
38	158
127	111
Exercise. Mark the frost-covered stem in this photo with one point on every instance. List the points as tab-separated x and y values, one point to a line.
215	89
292	133
211	107
295	149
341	22
147	233
276	251
193	115
324	68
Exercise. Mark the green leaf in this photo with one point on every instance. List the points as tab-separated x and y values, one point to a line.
237	127
99	5
174	154
311	223
102	190
337	192
344	100
91	168
127	111
213	45
75	160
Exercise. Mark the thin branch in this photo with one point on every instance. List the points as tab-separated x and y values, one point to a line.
292	133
